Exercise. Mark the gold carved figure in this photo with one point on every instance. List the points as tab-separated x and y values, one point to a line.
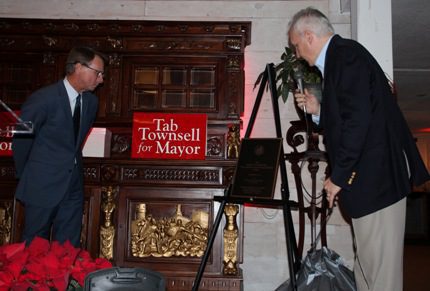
177	235
233	142
230	240
107	230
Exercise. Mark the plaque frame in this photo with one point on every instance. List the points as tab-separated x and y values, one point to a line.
257	168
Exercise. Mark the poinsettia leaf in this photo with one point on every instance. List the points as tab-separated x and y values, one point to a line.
57	249
30	276
22	286
80	277
72	252
20	258
51	261
102	263
14	269
41	286
88	265
12	249
47	266
61	282
38	246
36	267
77	269
6	279
66	262
84	255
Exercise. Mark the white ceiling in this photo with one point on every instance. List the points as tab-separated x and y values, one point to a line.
411	60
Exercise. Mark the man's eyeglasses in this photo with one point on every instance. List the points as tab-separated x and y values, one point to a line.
99	73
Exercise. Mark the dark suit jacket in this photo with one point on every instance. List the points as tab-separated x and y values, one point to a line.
365	133
44	161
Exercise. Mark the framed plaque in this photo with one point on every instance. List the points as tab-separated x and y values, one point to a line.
257	168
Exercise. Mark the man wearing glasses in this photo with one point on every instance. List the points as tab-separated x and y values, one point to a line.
48	163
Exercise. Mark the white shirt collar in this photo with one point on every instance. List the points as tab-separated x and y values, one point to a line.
72	93
320	62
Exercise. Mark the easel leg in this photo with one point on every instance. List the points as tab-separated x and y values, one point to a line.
211	239
292	252
290	238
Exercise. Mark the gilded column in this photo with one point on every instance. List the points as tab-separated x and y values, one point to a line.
231	235
107	230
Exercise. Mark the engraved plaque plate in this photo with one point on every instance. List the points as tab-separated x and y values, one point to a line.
257	168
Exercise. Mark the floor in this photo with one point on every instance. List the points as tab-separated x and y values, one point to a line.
417	268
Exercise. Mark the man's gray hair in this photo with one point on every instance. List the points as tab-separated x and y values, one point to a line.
310	19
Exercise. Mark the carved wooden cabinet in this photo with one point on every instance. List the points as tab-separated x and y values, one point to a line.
154	214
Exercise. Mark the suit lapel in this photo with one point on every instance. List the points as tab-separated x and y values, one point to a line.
329	53
327	74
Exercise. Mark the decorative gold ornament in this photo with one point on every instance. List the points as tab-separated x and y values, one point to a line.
230	240
233	142
168	236
107	230
234	43
5	223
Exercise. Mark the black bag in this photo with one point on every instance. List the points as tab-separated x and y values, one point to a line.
322	270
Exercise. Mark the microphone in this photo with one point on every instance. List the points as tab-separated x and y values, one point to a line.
298	77
27	124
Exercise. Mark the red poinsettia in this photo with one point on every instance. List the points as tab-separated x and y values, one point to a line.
45	266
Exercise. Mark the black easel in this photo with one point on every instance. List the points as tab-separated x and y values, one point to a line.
292	252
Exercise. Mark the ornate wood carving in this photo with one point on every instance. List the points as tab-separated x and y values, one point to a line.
233	142
211	54
310	202
120	143
231	237
109	173
7	172
5	222
107	230
214	146
91	173
174	236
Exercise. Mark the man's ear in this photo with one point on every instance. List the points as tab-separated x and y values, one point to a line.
309	36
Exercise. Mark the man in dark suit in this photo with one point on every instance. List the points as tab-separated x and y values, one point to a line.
49	162
372	153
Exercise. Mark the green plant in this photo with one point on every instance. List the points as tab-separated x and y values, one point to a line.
284	71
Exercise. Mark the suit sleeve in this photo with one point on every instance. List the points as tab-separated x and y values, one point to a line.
32	110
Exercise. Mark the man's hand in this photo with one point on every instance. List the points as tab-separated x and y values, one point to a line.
332	190
309	101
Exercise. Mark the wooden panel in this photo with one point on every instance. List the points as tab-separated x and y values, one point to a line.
148	213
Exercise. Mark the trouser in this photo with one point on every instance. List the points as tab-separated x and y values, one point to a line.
62	222
379	243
